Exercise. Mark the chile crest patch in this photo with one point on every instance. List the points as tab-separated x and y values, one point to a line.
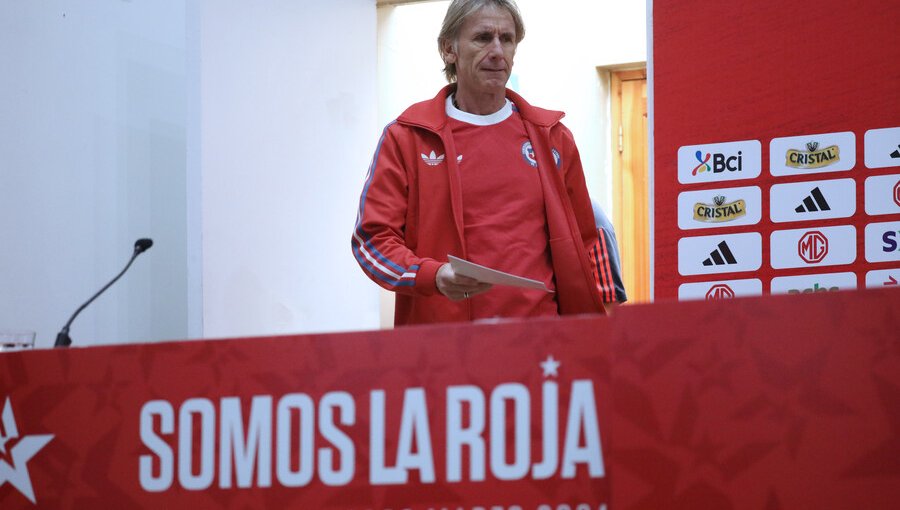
528	154
556	158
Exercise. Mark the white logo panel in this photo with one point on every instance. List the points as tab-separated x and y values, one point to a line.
889	278
810	247
739	206
882	147
883	194
732	253
811	283
714	162
812	154
883	242
814	200
722	289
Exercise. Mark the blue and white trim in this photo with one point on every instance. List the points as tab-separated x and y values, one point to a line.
376	264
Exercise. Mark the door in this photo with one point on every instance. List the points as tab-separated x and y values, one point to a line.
631	189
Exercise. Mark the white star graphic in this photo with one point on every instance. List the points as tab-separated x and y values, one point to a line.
21	453
550	366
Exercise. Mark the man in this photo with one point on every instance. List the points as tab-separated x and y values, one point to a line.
478	173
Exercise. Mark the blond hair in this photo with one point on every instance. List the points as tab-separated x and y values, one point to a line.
457	14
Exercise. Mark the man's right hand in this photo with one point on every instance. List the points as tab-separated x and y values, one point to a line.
456	286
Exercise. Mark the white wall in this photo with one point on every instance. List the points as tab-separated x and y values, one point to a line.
92	105
286	129
409	66
235	134
565	42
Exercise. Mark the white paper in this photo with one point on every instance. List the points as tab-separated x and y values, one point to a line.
488	275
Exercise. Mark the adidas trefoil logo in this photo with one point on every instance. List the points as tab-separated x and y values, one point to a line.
432	159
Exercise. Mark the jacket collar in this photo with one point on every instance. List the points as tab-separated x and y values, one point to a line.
432	115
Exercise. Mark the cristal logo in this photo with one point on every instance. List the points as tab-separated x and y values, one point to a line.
813	247
719	291
309	440
721	211
721	163
21	451
812	157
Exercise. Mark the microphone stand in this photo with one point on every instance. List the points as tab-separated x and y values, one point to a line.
62	338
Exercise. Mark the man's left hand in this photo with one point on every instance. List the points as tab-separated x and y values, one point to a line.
456	286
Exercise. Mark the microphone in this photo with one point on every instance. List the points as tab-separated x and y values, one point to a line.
140	246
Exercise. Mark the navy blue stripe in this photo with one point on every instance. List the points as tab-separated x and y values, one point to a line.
377	273
378	255
362	199
362	204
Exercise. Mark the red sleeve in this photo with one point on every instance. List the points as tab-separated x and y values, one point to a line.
601	253
569	161
378	241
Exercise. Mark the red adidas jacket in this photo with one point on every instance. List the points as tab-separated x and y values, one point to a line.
410	215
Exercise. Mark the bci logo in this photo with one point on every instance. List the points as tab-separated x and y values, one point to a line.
720	162
725	161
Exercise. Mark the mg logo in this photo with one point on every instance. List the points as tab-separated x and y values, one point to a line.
897	193
719	291
813	247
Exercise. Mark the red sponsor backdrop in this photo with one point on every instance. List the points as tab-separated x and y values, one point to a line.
786	402
731	71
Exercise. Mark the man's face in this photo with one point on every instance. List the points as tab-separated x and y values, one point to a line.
484	52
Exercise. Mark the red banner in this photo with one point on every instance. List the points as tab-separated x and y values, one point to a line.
767	403
779	402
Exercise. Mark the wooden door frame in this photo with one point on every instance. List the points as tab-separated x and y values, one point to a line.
617	75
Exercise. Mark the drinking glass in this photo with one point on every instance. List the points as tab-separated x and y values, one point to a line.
16	340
